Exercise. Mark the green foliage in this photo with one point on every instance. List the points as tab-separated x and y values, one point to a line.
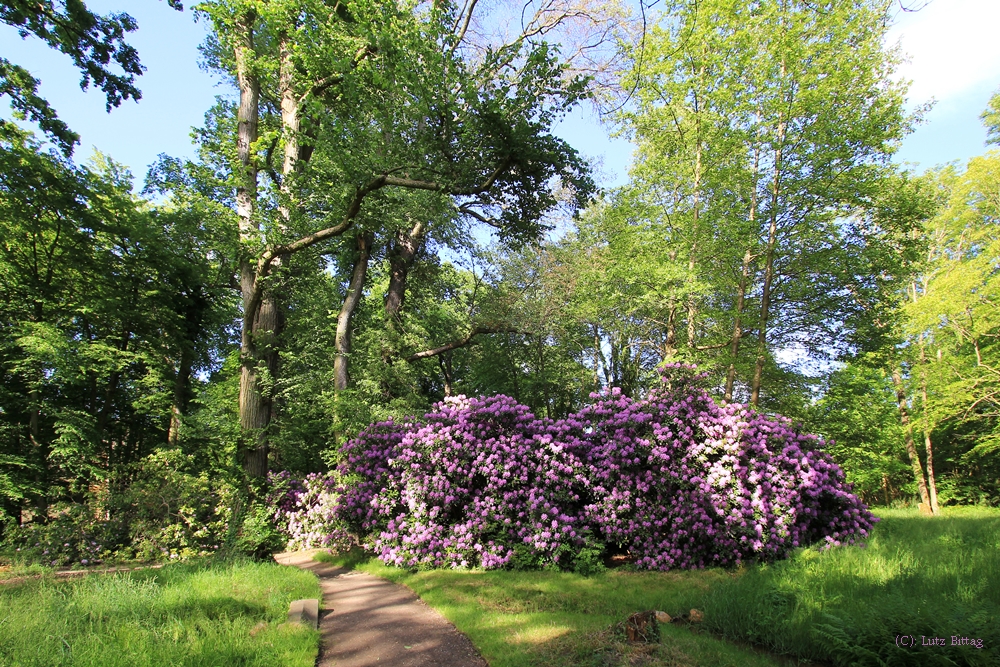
991	119
858	417
162	508
752	209
108	308
202	614
74	537
96	45
588	561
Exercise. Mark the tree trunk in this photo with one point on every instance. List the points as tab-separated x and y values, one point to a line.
695	229
41	502
911	449
259	371
772	237
341	375
931	484
670	347
400	260
734	343
744	284
444	361
597	357
254	404
109	392
182	382
290	120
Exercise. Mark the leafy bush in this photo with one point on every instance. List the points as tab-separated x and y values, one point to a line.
676	479
171	510
74	536
167	512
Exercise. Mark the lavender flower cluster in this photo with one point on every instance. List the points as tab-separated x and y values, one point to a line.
480	482
674	478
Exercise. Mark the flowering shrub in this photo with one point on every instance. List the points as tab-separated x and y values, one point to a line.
73	537
685	483
305	510
674	478
481	482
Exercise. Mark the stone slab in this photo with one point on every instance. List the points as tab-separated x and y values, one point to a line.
305	612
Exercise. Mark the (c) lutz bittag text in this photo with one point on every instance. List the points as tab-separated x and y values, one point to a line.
909	641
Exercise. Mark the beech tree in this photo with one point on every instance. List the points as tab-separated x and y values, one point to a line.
764	135
341	101
949	324
107	310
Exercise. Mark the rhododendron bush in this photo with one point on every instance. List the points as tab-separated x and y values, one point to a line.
305	511
675	479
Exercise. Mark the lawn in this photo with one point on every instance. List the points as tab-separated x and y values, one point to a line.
918	577
211	615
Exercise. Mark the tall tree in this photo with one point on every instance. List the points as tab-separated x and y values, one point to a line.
358	98
765	137
950	325
105	306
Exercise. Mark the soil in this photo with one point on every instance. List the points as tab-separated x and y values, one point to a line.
367	621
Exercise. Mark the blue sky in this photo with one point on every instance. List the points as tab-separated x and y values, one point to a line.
953	47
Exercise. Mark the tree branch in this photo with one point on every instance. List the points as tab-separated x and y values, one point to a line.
719	346
464	208
455	344
328	82
268	163
376	183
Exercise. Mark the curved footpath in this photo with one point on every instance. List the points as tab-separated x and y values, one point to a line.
369	621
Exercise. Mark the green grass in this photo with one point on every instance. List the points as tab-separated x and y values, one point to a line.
19	570
211	615
931	577
917	576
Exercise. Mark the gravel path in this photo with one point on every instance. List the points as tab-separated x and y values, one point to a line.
369	621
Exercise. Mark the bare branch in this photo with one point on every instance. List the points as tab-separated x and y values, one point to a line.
455	344
464	208
468	19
